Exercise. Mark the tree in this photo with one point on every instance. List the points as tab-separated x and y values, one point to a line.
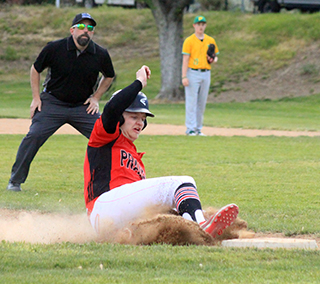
169	19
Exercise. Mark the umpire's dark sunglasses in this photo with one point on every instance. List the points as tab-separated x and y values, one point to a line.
82	27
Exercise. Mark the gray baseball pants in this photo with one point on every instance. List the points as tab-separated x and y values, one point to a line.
196	98
54	113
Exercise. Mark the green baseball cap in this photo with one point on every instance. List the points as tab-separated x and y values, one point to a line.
199	19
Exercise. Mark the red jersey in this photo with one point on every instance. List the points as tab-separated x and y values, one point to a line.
111	158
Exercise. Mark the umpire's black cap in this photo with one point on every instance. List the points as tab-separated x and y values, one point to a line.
82	16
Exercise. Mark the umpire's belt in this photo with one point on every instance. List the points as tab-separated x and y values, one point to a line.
200	70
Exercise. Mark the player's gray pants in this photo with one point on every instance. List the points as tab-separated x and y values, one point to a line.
54	113
196	98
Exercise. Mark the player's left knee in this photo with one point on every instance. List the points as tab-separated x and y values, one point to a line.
189	179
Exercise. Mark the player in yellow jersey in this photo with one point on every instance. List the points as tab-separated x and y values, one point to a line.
196	74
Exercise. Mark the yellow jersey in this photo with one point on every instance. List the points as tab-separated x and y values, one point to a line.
197	49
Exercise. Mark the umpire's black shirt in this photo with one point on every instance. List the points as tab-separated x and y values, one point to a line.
72	75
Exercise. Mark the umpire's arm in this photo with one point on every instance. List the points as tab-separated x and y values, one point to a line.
103	86
93	101
35	88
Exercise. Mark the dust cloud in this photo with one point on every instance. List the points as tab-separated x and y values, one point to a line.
47	228
155	227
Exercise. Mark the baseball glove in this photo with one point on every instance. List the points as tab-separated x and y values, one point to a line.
211	51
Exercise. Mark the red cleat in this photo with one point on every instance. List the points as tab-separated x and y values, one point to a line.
221	220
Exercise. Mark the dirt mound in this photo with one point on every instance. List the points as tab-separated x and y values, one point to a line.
172	229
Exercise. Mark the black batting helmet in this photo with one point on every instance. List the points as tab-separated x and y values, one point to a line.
140	104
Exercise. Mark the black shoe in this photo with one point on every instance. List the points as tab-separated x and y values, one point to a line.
13	186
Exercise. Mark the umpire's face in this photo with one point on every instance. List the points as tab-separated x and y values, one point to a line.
82	33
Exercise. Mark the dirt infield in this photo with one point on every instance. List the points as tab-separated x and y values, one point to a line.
21	126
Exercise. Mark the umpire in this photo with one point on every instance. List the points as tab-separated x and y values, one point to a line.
73	66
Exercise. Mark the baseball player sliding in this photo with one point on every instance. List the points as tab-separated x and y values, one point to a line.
116	189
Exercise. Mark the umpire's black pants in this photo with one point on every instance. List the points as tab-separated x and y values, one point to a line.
54	113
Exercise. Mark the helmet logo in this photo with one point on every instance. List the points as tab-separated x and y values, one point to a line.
143	101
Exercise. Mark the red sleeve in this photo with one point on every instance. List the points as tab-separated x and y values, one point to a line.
100	137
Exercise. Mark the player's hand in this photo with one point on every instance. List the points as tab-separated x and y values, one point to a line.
35	104
210	59
185	82
143	74
93	105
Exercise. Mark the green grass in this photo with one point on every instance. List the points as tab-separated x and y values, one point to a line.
250	45
16	99
71	263
265	176
273	180
286	114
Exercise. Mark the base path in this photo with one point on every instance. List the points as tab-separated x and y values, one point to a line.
287	243
21	126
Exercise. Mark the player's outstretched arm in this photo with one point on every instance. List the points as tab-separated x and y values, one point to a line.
114	108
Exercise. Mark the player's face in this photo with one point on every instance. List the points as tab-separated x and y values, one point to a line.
82	37
133	124
199	27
